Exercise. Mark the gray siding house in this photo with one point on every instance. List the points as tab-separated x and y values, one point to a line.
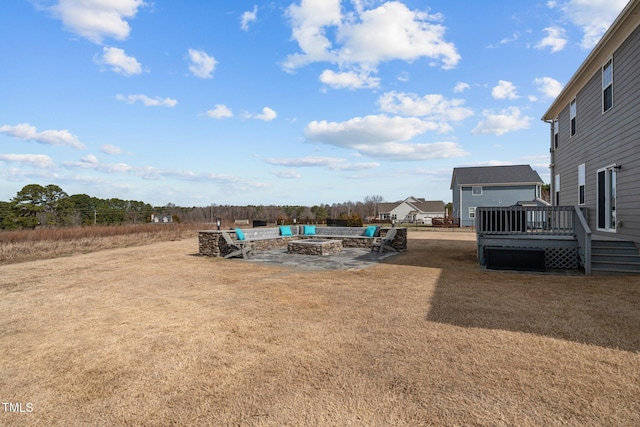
499	186
595	134
594	222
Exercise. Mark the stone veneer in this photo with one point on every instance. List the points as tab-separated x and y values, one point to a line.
211	242
315	246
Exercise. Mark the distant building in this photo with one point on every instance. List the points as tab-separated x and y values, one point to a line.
161	219
482	186
412	210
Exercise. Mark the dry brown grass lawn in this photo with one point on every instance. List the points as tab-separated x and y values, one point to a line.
154	335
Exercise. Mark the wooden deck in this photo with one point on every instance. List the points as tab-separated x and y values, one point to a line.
560	230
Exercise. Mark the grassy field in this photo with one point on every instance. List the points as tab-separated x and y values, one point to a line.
156	335
44	243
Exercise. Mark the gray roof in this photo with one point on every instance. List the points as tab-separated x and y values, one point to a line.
430	206
421	205
387	207
496	175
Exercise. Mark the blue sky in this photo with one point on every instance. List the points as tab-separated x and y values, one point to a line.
284	102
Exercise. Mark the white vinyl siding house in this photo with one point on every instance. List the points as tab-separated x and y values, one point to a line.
412	210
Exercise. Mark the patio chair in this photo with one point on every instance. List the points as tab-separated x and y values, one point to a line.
385	242
238	247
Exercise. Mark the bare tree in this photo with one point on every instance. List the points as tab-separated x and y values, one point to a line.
372	203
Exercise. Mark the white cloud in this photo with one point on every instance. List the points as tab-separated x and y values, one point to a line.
312	161
90	158
505	121
220	111
355	166
97	19
378	129
147	101
111	149
413	152
349	80
593	16
101	167
403	76
365	38
308	26
38	160
461	87
332	163
433	106
392	31
202	65
119	62
504	90
153	173
556	39
383	137
267	115
288	174
548	86
248	17
27	132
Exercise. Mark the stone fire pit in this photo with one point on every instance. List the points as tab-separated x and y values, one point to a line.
315	246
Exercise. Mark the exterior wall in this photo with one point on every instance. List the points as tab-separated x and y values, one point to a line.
403	210
605	139
492	196
456	201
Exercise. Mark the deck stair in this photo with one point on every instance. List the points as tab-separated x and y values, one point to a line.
614	257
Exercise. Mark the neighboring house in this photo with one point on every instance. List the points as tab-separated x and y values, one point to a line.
412	210
499	186
595	133
163	219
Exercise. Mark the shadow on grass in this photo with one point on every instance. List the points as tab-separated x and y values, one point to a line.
602	311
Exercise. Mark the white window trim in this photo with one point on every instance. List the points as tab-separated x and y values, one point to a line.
573	115
610	60
581	183
612	228
472	212
475	187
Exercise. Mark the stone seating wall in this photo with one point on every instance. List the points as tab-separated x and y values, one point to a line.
211	242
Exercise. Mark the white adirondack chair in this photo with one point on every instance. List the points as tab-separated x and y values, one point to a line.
385	242
238	247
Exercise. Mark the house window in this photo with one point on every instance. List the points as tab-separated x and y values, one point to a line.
556	189
607	85
555	133
572	114
476	191
581	184
472	213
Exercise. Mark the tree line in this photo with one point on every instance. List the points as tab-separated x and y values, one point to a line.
50	206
